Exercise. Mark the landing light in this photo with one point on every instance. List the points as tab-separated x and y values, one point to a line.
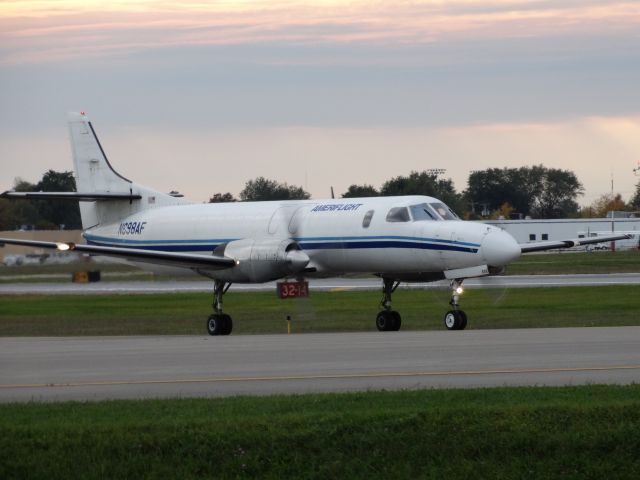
459	290
63	246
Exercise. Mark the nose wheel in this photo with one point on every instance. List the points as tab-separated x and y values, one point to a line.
455	319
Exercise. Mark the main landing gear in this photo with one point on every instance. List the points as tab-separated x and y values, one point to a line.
388	320
219	323
455	319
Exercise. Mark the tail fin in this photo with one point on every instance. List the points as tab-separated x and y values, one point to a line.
93	171
95	174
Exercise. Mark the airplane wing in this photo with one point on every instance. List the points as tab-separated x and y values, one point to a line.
555	244
79	196
187	260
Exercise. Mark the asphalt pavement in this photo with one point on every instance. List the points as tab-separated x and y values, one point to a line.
166	286
98	368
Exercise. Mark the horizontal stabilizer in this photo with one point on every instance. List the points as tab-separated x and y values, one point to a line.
187	260
77	196
555	244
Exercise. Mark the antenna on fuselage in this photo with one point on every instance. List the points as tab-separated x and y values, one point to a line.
332	194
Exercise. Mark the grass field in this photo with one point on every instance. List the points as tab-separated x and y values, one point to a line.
534	264
262	312
588	432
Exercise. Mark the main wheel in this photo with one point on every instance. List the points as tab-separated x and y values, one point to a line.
455	320
388	321
397	321
227	324
216	324
463	322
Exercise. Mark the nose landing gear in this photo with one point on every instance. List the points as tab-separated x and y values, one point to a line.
219	323
455	319
388	320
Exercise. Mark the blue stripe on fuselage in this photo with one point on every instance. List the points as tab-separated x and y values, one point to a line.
383	244
310	243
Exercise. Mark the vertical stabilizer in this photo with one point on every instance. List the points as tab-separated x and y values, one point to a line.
94	174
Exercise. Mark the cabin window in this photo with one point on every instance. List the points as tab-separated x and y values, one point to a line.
532	237
444	211
545	236
398	214
422	212
366	221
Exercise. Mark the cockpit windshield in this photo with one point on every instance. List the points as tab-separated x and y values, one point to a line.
444	211
422	212
398	214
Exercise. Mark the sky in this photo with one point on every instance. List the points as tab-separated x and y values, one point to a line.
202	96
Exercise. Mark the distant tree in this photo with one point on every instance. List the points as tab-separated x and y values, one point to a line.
20	185
262	189
222	198
42	214
634	202
538	191
361	191
59	212
21	212
425	183
558	196
605	204
8	218
504	211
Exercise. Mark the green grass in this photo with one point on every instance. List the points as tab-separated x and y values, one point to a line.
533	264
588	432
185	313
627	261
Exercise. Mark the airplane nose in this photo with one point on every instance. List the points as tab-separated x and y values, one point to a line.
499	248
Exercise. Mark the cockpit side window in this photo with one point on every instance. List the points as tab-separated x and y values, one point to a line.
422	212
398	214
444	211
366	221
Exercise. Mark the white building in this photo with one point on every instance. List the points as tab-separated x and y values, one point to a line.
563	229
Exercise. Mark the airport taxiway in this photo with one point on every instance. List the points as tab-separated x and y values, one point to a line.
97	368
169	286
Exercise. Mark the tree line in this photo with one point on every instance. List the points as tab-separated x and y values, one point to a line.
42	214
536	191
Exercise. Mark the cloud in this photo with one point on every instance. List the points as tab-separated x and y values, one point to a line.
39	31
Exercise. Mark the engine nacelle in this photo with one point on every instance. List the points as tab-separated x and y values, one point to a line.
261	260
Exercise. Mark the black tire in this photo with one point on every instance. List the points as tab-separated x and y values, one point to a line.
388	321
384	321
455	320
227	324
463	320
397	321
215	324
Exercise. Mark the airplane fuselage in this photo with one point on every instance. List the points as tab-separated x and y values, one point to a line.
364	235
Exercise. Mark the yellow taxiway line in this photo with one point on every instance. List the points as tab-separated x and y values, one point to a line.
338	376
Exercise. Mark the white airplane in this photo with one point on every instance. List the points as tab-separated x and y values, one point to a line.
408	238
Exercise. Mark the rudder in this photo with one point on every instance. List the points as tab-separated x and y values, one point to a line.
95	174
